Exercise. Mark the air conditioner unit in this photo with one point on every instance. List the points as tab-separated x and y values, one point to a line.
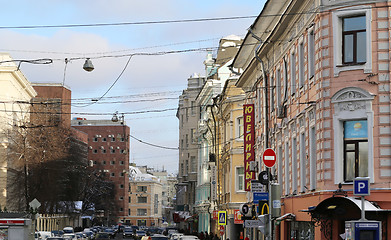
90	147
111	147
281	111
118	147
101	147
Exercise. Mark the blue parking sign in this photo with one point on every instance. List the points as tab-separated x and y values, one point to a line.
361	186
222	217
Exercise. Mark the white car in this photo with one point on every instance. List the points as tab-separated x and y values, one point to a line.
188	237
69	236
176	236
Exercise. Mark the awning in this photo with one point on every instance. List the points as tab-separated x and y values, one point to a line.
341	208
288	216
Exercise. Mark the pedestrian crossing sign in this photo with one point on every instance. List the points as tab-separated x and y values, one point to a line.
222	217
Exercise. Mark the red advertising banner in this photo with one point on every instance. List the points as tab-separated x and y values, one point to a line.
238	217
215	214
249	142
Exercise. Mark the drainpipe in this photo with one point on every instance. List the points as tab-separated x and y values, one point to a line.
266	124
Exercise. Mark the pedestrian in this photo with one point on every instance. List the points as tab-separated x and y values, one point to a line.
246	238
201	236
216	237
206	236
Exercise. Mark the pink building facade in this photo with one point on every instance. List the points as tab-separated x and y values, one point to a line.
320	82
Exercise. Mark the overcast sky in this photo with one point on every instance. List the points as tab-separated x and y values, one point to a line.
149	83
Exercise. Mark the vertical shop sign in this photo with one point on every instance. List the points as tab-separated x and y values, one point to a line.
249	141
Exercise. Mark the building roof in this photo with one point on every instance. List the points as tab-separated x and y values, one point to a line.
136	175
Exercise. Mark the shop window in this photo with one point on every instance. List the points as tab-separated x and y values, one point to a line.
355	150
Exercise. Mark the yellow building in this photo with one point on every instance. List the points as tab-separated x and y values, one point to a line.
230	164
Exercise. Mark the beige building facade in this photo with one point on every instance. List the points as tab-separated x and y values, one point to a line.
16	93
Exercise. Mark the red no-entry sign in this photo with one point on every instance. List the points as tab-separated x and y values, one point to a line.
269	157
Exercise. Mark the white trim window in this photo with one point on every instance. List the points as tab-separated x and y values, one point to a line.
301	65
311	53
293	72
352	41
239	128
239	179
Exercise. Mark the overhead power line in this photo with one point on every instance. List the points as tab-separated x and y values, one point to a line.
127	23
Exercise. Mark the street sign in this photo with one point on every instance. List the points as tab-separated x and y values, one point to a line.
222	229
361	186
256	186
222	217
260	196
263	178
269	158
237	217
252	223
244	209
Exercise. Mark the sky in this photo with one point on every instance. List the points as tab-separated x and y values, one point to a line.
144	88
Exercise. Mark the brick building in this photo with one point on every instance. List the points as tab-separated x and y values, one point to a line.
108	153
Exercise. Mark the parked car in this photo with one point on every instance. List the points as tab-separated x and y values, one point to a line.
188	237
70	236
55	238
111	232
102	236
139	234
128	233
176	236
159	237
68	230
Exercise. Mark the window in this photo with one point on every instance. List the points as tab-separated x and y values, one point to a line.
141	212
278	87
240	179
112	162
121	163
312	150
142	200
354	40
352	43
122	174
193	109
303	163
103	150
193	164
193	135
293	73
294	166
104	162
121	198
272	85
112	175
95	151
187	140
130	201
311	54
121	186
286	168
95	139
123	151
113	139
112	151
355	150
301	65
104	140
141	188
240	131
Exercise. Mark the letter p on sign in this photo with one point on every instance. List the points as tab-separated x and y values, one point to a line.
361	186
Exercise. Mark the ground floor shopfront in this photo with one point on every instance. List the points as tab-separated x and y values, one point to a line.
322	215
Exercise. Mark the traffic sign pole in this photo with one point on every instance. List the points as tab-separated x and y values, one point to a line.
269	158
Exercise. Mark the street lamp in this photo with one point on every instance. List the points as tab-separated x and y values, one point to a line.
88	66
